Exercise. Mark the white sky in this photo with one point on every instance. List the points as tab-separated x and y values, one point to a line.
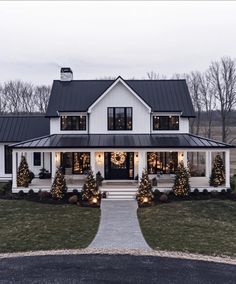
99	39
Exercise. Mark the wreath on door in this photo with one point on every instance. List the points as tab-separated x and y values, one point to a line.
118	158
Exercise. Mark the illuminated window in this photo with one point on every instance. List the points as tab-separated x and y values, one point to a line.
165	123
77	162
162	162
73	122
119	118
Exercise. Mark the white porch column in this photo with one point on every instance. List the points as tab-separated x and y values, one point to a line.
92	162
14	169
208	164
53	163
185	159
227	168
141	162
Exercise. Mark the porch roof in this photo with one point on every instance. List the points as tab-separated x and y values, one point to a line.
121	141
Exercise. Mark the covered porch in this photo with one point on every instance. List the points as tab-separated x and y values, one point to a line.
125	165
121	157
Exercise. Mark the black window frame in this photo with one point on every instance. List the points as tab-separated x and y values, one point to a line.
37	159
114	119
8	159
80	117
169	124
165	158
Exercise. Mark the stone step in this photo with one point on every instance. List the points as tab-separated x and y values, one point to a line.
121	193
118	189
120	197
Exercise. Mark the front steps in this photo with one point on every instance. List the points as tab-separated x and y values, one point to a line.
120	190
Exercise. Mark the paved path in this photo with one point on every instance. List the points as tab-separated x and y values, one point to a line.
119	226
113	269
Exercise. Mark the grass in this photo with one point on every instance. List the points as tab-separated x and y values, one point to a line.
205	227
26	226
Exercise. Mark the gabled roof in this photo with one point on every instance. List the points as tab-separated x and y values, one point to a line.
15	128
119	80
173	141
160	95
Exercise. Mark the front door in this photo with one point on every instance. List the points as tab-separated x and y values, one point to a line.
119	165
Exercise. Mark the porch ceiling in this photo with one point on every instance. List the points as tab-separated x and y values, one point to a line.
122	141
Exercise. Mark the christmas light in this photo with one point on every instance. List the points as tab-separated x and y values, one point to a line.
145	200
23	173
144	194
181	185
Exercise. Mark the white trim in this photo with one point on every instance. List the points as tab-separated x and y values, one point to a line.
119	79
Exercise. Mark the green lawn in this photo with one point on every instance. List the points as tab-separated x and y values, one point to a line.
26	226
205	227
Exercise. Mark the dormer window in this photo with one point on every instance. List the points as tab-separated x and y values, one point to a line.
165	122
119	118
73	122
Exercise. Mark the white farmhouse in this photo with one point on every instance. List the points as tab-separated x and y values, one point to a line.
117	127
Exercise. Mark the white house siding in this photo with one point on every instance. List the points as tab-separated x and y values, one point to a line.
119	96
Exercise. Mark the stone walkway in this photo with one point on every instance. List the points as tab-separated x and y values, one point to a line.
119	227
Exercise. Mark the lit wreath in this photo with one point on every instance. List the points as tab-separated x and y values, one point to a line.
118	158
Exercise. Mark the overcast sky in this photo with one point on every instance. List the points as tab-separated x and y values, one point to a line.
99	39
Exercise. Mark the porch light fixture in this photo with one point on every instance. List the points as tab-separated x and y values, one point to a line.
99	158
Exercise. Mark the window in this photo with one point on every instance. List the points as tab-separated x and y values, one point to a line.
8	160
73	122
119	118
75	163
165	123
81	163
162	162
37	159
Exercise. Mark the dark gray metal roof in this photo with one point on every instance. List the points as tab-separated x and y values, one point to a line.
20	127
121	141
160	95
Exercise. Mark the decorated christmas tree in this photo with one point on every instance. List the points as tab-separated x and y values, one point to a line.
23	172
181	185
59	187
144	194
90	190
218	172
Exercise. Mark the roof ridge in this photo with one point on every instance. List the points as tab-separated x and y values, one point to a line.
96	80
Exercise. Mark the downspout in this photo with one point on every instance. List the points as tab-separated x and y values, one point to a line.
150	122
88	122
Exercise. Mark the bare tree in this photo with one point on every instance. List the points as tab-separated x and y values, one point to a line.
26	97
208	102
11	96
193	82
41	97
223	81
155	76
22	97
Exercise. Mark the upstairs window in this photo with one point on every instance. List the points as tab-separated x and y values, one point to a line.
165	123
119	118
73	122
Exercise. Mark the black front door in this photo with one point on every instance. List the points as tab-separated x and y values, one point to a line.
119	165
